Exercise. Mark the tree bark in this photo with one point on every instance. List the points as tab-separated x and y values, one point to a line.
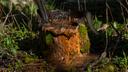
65	43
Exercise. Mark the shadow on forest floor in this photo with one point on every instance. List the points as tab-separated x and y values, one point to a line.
115	46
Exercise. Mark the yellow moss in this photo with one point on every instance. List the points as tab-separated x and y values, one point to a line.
85	42
29	59
108	68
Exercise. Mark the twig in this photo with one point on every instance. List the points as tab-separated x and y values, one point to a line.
8	14
126	2
79	7
42	10
103	55
116	44
108	7
123	15
118	33
16	22
89	21
106	35
123	6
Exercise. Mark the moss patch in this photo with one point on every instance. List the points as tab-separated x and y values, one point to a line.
85	42
49	39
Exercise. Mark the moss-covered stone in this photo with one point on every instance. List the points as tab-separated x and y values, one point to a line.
85	42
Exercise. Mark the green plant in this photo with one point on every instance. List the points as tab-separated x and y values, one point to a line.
89	68
50	5
13	29
97	23
122	62
30	9
15	66
9	44
4	2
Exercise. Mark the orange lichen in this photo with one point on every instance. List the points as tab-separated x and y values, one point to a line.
65	49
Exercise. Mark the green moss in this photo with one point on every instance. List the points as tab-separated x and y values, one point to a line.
49	39
29	59
108	68
85	42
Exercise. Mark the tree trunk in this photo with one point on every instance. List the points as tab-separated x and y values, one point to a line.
66	43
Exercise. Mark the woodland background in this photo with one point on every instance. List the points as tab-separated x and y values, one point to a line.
20	46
